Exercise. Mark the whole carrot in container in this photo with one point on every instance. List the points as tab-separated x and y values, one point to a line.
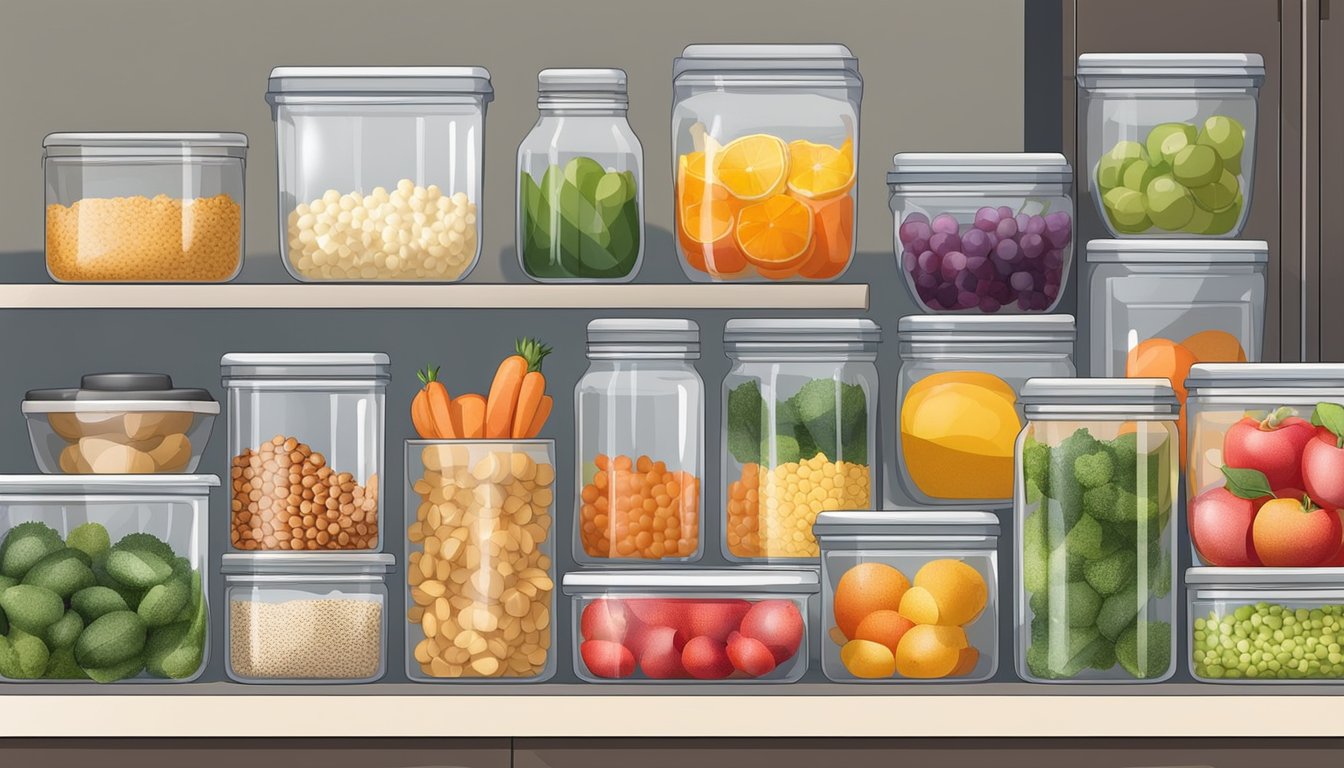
430	411
539	418
501	406
469	411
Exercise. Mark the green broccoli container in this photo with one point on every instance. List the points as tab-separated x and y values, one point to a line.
1095	489
102	578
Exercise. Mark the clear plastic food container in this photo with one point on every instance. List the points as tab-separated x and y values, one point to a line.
1169	140
1266	625
1265	474
799	431
640	416
740	625
306	437
581	181
295	618
480	568
144	207
981	232
380	171
103	578
1095	493
119	423
765	142
956	402
909	595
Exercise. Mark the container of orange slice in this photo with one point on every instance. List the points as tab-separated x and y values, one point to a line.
764	160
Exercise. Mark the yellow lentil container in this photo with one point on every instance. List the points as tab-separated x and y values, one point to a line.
799	429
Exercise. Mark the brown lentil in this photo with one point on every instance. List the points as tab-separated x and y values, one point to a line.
328	638
638	509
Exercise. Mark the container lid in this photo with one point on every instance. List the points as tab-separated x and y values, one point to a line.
1099	397
986	329
1178	251
893	522
370	81
776	580
1202	65
153	143
123	386
801	330
610	81
1269	577
303	563
1276	375
283	365
764	58
113	485
978	168
617	337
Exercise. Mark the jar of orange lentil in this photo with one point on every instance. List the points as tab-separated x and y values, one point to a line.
799	430
144	207
640	417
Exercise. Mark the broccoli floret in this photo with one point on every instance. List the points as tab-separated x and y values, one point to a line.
1144	650
1093	469
1113	504
1104	656
1036	465
1066	654
1033	492
1063	562
745	408
1039	602
1086	539
1035	567
784	451
816	404
1118	612
1083	604
1113	573
854	442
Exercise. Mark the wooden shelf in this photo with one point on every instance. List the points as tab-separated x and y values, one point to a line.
459	296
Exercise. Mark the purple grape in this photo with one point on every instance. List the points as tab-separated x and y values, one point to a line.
983	287
953	262
1052	291
927	282
967	300
1054	275
947	295
1039	301
980	266
1006	230
915	235
1024	302
946	223
909	261
1008	251
1053	259
1059	229
1021	221
967	281
986	219
944	243
1022	281
1035	225
1032	245
1002	291
1005	212
916	217
989	304
930	263
975	243
1002	266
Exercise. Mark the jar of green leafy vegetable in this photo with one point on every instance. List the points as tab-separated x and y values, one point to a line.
580	181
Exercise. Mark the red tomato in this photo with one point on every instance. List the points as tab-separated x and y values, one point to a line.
604	658
660	656
1220	527
715	619
606	619
706	659
778	625
1273	448
750	656
1323	469
661	612
1286	535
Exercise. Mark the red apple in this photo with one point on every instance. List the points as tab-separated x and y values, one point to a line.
715	619
1323	469
1220	527
1338	560
660	657
604	658
1292	532
1272	446
706	659
750	656
778	625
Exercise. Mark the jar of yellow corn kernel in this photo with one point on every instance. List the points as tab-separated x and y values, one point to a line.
380	171
799	427
144	207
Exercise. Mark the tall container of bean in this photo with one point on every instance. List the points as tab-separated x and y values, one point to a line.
1169	140
306	437
799	431
480	573
581	181
144	207
765	142
1095	491
957	402
983	232
380	171
640	417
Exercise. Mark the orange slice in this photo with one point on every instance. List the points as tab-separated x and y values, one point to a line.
693	165
753	167
820	171
833	237
775	234
704	211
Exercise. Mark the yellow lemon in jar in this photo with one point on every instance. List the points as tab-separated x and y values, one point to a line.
959	591
929	651
958	429
868	660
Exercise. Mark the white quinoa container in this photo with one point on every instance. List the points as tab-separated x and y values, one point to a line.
294	618
144	207
380	171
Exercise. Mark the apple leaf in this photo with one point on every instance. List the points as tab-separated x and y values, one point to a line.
1330	416
1247	483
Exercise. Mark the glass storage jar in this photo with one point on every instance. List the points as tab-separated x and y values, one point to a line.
1169	140
1094	494
581	181
480	560
799	431
380	171
1265	625
765	140
296	618
640	415
306	437
144	207
956	402
1273	429
739	625
104	577
983	232
909	595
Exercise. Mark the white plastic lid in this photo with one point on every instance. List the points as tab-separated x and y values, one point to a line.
1178	251
306	563
1276	375
1242	65
108	485
1268	577
979	168
743	580
891	522
583	80
260	365
379	80
983	328
801	330
1098	397
190	139
752	57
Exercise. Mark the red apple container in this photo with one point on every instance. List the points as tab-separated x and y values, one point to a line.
652	626
1265	471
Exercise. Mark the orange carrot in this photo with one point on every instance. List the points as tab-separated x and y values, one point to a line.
421	418
436	394
529	397
469	412
502	402
539	420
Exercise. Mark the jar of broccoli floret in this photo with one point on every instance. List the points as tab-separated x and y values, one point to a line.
799	424
1095	488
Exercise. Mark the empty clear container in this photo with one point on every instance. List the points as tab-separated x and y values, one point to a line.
909	595
982	232
380	171
1169	140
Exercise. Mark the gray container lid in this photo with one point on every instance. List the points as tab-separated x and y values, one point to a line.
692	580
1243	66
751	57
375	81
801	331
1177	251
306	563
147	143
1264	577
1099	397
921	522
108	485
122	386
983	328
585	80
284	365
1269	375
617	337
979	168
